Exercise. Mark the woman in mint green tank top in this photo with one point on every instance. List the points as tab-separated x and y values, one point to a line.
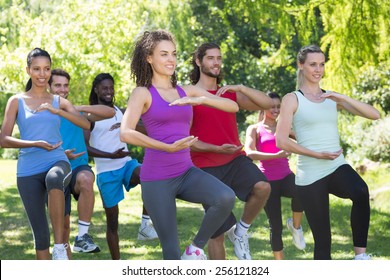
321	167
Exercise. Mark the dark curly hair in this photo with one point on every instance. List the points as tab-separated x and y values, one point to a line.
141	70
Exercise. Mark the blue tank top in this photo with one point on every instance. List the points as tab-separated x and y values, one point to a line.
38	126
73	138
166	124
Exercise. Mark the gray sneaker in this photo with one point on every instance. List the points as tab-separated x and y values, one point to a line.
85	244
60	253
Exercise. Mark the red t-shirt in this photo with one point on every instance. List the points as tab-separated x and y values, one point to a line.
216	127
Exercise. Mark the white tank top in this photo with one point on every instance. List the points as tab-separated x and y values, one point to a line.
105	137
315	126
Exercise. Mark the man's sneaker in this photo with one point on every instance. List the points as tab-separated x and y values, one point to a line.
297	234
85	244
241	244
198	254
60	253
147	232
362	257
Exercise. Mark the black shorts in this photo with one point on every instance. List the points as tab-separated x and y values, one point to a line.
70	189
241	175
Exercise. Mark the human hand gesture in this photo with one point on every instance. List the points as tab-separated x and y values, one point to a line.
187	100
222	90
229	149
47	106
71	155
120	153
330	155
45	145
182	144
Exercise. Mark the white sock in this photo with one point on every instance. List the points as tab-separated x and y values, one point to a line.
241	228
59	246
83	228
145	219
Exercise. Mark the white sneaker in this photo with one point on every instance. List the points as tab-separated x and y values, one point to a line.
241	244
60	253
297	234
198	254
362	257
147	232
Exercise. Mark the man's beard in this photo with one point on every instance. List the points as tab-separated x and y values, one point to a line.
205	71
106	102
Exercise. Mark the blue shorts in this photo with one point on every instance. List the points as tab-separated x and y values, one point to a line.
111	183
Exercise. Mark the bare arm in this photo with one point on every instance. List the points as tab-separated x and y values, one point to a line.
96	112
248	98
200	146
284	142
353	106
251	150
199	96
138	103
6	138
67	111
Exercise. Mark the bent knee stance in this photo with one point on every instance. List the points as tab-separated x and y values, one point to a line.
58	177
261	190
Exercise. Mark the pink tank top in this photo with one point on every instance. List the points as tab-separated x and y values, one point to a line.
273	169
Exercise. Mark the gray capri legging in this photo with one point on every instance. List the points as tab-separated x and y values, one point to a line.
195	186
33	192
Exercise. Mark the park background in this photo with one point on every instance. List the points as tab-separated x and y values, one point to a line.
259	41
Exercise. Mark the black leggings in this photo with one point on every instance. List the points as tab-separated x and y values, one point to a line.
345	182
280	188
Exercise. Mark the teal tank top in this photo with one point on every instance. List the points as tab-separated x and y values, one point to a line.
315	126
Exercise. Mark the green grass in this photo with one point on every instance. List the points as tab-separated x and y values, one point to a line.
16	238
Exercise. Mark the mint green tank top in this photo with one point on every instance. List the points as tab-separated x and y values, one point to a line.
315	127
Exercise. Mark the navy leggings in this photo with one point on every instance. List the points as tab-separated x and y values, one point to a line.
345	182
280	188
196	186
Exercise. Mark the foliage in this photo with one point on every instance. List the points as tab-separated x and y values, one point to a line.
259	40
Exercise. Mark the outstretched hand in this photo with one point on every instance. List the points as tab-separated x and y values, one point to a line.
182	144
222	90
187	100
49	147
71	155
336	97
229	149
46	106
330	155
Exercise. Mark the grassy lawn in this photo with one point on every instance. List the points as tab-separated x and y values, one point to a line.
16	238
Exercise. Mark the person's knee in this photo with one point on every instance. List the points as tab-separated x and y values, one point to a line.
261	190
227	198
84	183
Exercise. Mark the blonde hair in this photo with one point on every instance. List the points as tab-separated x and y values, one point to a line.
301	58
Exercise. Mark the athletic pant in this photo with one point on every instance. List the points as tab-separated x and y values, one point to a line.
280	188
196	186
345	182
33	192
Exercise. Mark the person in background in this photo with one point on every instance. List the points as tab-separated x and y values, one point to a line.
167	172
43	170
83	178
114	166
260	145
219	150
321	168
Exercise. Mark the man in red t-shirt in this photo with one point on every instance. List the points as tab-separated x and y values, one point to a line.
219	150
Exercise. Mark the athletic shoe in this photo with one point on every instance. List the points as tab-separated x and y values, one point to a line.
297	235
85	244
147	232
60	253
362	257
197	255
241	244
